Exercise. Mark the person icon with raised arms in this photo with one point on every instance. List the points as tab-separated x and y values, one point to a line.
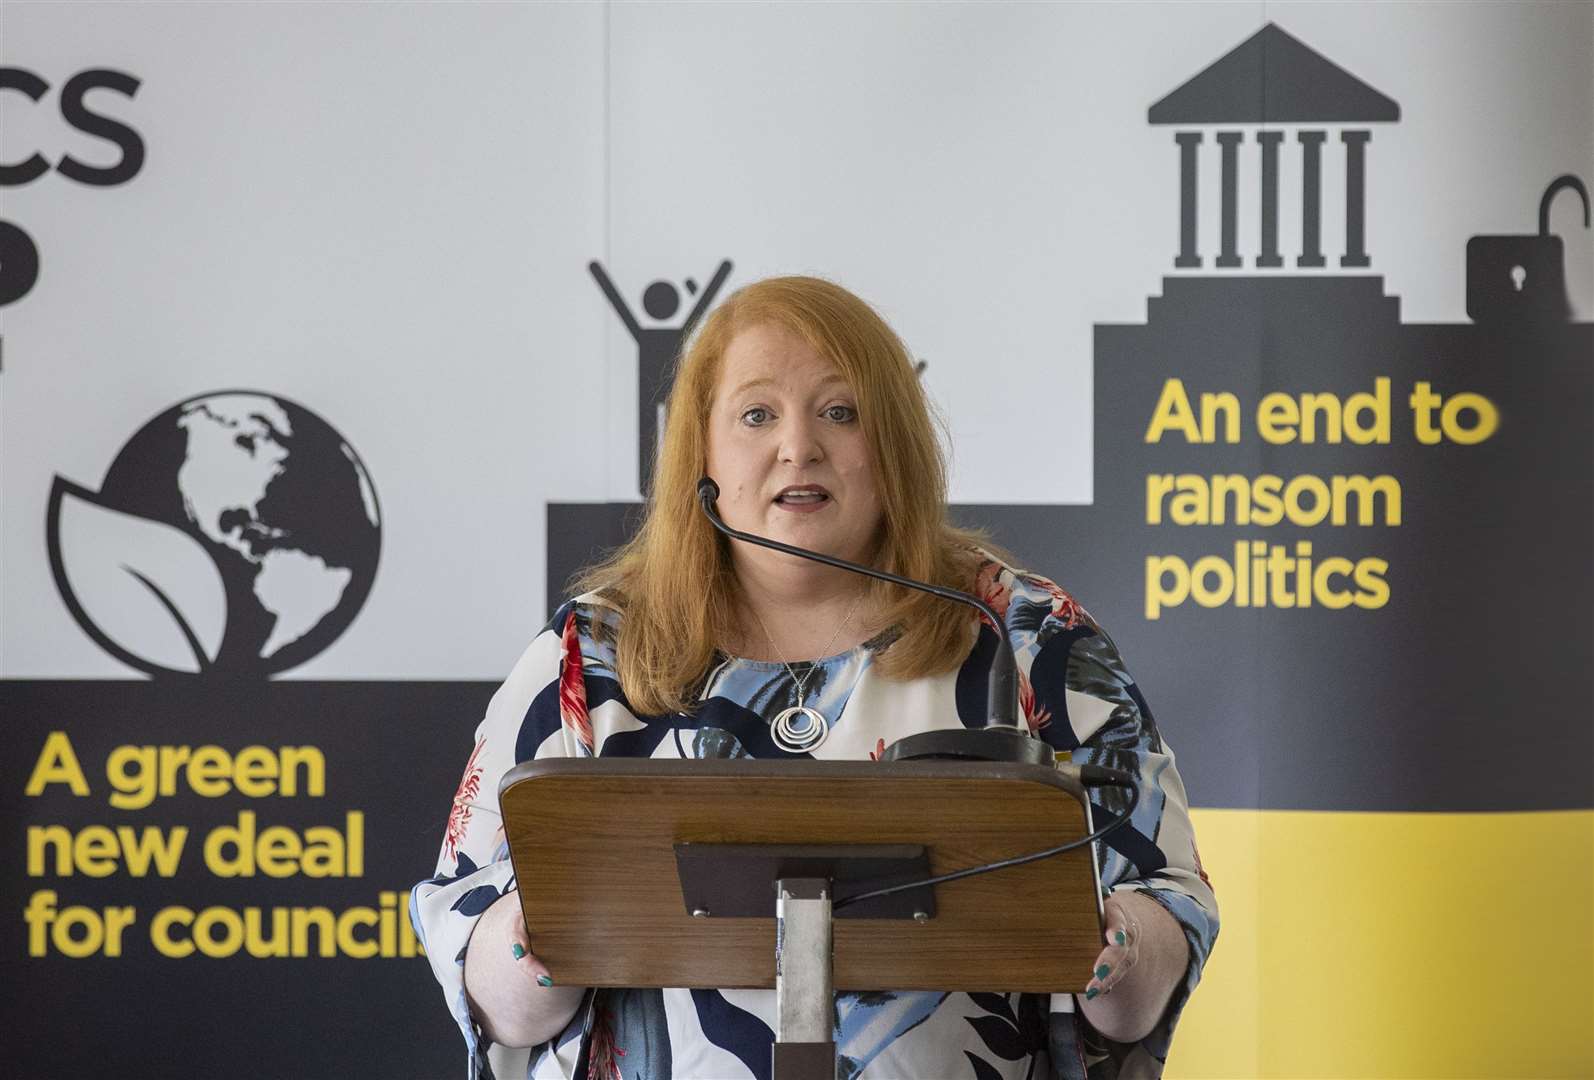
657	347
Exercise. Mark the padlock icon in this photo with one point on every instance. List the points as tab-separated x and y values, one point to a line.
1522	279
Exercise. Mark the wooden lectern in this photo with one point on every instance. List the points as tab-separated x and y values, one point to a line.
644	873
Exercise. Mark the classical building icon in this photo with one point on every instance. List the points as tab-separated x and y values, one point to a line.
1301	99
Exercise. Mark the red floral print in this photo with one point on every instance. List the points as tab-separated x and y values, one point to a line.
573	689
601	1057
1065	608
989	587
470	785
1036	718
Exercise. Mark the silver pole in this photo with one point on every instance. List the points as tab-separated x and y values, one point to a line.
804	995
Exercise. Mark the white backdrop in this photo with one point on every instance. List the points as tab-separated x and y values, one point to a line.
385	212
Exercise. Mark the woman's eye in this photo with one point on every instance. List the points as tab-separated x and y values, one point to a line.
841	414
755	416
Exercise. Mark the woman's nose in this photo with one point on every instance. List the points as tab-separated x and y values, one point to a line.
800	443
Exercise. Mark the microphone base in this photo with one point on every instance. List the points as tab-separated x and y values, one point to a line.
972	744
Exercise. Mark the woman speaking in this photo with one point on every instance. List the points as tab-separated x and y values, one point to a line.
804	407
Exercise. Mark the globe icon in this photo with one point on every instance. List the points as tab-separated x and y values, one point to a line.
276	498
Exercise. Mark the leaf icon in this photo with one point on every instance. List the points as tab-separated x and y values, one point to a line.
145	591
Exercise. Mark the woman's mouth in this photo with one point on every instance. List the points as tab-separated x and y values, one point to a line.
802	497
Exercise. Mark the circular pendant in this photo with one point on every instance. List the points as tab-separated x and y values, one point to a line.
799	729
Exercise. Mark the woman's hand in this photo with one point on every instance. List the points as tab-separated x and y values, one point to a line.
511	992
1135	975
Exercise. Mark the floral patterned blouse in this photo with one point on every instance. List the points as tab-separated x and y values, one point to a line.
563	699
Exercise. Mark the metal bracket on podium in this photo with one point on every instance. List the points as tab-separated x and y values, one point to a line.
805	1002
797	885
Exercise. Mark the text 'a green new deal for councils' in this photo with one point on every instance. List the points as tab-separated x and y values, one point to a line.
242	848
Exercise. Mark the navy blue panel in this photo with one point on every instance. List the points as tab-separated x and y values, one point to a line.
736	1031
477	900
543	718
462	867
540	721
974	679
601	688
1048	677
1135	846
639	743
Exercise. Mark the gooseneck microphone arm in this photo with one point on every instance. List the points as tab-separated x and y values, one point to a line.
1001	740
1001	709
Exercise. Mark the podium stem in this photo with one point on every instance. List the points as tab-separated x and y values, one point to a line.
804	994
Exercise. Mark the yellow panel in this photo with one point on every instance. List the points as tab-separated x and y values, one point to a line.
1217	1035
1398	946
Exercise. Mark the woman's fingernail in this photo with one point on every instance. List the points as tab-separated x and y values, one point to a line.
1103	971
1120	937
544	980
519	950
1091	994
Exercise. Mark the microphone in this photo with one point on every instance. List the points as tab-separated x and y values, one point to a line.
1003	738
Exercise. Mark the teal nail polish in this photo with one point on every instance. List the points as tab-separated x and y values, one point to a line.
544	980
1120	937
1091	993
519	950
1102	972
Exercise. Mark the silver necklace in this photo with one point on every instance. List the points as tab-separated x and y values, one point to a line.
799	729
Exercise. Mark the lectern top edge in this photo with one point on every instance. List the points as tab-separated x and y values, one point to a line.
1064	778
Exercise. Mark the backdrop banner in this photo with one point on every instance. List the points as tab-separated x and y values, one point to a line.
334	339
